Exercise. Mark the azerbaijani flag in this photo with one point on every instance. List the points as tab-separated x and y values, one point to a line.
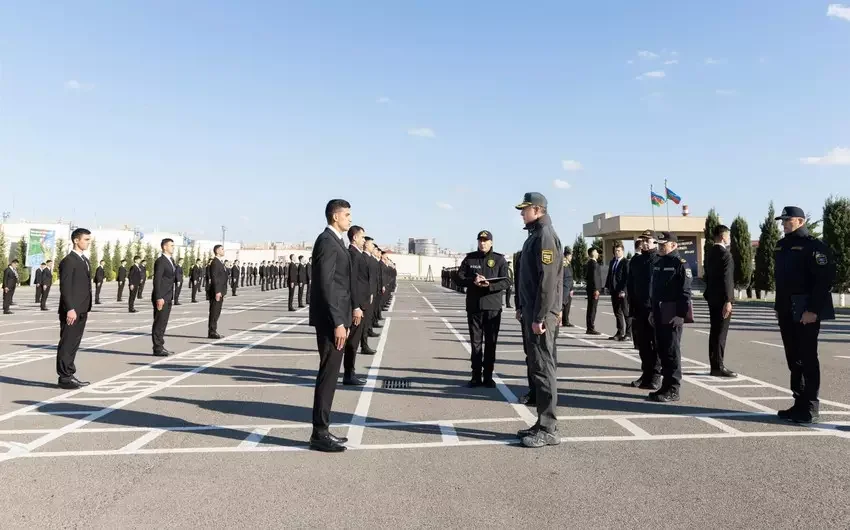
657	200
671	195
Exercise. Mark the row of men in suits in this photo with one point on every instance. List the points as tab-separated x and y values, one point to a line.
43	280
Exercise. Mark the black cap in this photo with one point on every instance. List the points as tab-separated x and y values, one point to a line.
532	199
486	235
568	251
791	211
667	237
647	234
367	238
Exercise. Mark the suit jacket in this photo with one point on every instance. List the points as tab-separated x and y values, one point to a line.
195	274
178	275
616	281
122	273
309	268
99	275
10	279
719	276
218	277
292	272
302	273
330	296
164	276
135	275
234	273
374	273
37	277
47	277
593	276
74	284
144	272
360	292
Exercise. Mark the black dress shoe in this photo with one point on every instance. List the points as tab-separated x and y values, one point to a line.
338	439
592	332
214	336
177	303
651	384
614	337
722	372
8	313
161	353
68	385
44	309
568	325
325	444
528	399
489	383
627	337
664	395
373	334
353	380
368	351
474	383
378	325
133	311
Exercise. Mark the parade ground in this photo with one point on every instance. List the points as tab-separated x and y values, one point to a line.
216	435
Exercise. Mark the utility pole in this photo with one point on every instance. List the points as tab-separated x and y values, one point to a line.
223	232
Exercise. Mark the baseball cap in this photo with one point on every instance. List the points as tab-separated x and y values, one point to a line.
647	234
667	237
486	235
532	199
791	211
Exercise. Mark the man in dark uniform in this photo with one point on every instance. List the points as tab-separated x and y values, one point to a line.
178	281
292	271
510	288
122	278
641	268
74	306
361	298
263	275
618	275
485	275
805	272
593	282
302	279
143	266
242	276
135	279
195	279
719	293
46	282
529	398
540	303
568	288
670	295
207	276
10	283
99	275
309	277
234	276
374	288
36	281
216	290
162	296
256	273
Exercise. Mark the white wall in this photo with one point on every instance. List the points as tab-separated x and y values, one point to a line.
105	235
260	255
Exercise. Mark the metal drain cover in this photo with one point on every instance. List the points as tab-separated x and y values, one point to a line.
400	382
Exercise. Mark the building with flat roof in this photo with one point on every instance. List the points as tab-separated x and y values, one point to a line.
627	228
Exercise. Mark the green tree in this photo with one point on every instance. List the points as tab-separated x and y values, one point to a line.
814	227
128	254
711	222
93	255
61	252
579	258
190	260
742	252
21	255
764	278
116	257
108	268
149	260
4	251
137	247
836	235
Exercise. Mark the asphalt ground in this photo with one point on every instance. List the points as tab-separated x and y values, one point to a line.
216	435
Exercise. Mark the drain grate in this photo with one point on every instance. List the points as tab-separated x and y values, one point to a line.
392	383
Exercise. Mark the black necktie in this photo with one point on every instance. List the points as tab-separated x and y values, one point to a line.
88	265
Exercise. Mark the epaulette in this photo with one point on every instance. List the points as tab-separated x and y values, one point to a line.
683	260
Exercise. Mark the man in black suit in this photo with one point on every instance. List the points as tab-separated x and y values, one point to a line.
195	280
122	277
10	283
361	297
302	279
331	313
164	278
618	274
263	275
369	316
242	276
207	279
719	293
74	306
234	276
292	273
46	282
309	277
178	281
144	268
255	272
36	281
99	276
216	290
135	280
593	282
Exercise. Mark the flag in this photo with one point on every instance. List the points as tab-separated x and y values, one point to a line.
657	200
671	195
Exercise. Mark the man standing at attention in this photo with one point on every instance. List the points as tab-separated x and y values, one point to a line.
74	307
122	277
618	274
99	276
719	293
593	282
46	282
10	283
164	275
216	290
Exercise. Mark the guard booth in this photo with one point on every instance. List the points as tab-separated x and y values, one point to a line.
627	228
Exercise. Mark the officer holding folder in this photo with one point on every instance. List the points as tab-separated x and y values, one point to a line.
484	274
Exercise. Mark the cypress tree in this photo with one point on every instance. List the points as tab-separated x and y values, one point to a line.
4	252
742	252
148	260
836	235
128	254
814	227
711	222
580	258
93	256
764	278
23	272
108	271
116	257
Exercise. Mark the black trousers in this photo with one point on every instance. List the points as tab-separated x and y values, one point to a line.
160	322
291	296
262	283
717	335
45	291
368	316
621	314
140	289
300	295
543	364
120	290
508	295
134	293
195	286
7	298
483	335
801	354
565	310
308	294
177	288
526	330
326	380
215	312
242	284
97	288
69	343
233	285
356	334
668	339
37	294
644	336
592	304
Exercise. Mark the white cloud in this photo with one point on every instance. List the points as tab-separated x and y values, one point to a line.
77	86
655	74
423	132
630	62
383	100
645	54
838	156
710	60
561	184
838	11
674	53
445	206
672	61
571	165
724	92
762	60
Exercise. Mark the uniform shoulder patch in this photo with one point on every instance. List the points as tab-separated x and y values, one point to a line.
491	263
688	273
820	258
546	256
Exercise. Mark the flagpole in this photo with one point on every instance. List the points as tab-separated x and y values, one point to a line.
652	205
667	202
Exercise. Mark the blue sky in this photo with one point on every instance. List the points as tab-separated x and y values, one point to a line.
432	118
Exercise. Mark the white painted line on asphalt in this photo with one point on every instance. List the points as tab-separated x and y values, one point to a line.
416	289
738	386
521	410
312	354
101	398
632	428
702	331
28	329
574	378
434	309
789	393
56	413
766	344
253	439
719	424
142	441
361	411
769	398
448	433
246	385
842	356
